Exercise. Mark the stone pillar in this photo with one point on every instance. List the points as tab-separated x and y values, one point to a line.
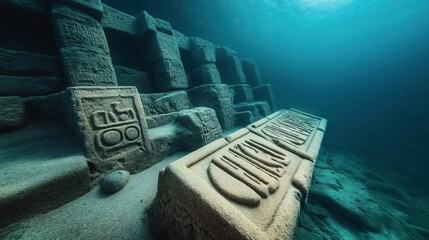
217	97
82	44
161	54
251	71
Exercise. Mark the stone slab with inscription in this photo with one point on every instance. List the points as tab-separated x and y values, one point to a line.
111	124
243	186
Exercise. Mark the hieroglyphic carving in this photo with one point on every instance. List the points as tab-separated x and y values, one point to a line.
290	127
83	48
256	165
111	123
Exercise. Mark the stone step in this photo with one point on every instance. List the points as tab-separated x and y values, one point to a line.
41	167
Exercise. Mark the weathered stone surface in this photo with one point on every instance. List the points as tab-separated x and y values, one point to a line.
83	48
130	77
217	97
161	46
248	107
203	124
251	71
161	103
12	112
146	23
111	125
294	131
182	41
94	8
263	108
29	86
169	75
114	181
41	168
244	118
21	63
265	93
240	187
202	51
161	119
88	67
242	93
205	74
119	21
230	70
222	52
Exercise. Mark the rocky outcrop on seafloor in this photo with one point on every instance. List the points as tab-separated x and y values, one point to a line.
350	198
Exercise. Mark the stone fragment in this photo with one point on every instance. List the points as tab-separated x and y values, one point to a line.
217	97
83	48
114	181
111	125
12	112
265	93
161	119
29	86
239	187
203	124
146	23
202	51
251	71
230	70
21	63
169	75
130	77
205	74
242	93
119	21
161	103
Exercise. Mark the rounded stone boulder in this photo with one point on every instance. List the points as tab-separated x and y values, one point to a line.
114	181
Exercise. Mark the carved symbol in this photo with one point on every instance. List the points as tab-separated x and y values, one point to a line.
115	129
248	171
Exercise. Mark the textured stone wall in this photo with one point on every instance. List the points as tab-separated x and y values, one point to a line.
125	85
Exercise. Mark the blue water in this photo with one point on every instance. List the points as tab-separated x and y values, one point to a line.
364	65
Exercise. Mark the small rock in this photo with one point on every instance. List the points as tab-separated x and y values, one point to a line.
114	181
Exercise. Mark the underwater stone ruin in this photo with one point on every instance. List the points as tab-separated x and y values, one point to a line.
86	89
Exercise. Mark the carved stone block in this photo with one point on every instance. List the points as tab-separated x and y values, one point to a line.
130	77
146	24
265	93
251	71
83	48
75	29
230	70
111	125
161	46
12	112
205	74
240	187
119	21
202	51
162	103
182	41
222	52
294	131
263	107
94	8
169	75
242	93
87	67
203	124
217	97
